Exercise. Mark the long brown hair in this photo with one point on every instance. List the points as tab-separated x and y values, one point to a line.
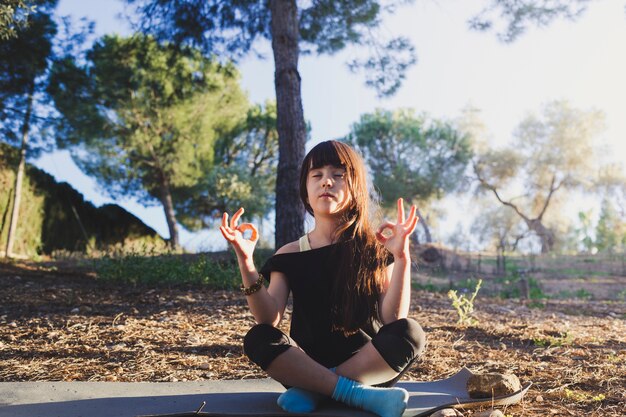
358	284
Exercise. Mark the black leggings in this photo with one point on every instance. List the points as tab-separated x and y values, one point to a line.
399	343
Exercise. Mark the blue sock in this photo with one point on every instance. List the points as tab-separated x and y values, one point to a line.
298	400
386	402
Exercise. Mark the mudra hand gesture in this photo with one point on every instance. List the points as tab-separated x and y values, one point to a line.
398	241
234	234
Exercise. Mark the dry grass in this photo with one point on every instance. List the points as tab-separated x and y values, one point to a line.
68	326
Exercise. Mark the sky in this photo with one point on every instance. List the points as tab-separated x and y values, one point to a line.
583	62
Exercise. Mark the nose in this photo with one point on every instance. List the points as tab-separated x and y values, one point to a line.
328	182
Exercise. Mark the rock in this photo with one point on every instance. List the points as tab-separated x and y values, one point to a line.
492	385
447	412
430	255
489	413
539	399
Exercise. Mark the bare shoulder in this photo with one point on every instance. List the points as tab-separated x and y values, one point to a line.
289	248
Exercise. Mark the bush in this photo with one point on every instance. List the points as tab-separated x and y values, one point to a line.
215	270
171	269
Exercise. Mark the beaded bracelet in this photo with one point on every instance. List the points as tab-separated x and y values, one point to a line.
254	287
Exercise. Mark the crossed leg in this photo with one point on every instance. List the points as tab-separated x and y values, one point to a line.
297	369
395	347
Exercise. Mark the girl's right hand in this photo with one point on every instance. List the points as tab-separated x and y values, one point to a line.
234	234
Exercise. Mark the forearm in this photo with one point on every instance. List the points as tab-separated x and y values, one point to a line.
397	299
262	305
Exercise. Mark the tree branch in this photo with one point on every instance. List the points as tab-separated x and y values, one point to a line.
488	186
552	190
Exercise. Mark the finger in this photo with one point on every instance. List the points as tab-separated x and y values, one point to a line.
227	235
249	226
235	219
412	215
379	233
225	220
400	211
384	226
412	226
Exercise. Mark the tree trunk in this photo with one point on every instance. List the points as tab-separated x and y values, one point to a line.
19	176
546	235
422	221
170	215
416	238
289	120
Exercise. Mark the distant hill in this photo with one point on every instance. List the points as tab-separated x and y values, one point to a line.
54	216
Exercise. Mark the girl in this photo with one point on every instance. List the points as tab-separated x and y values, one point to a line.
346	281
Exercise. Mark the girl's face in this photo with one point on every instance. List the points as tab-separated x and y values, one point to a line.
327	190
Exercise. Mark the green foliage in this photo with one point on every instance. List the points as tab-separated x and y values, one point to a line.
143	117
142	114
551	154
149	267
56	217
584	231
564	339
464	305
24	60
519	14
428	286
499	227
244	173
583	397
326	27
410	156
611	229
465	285
29	232
511	285
13	17
580	293
144	269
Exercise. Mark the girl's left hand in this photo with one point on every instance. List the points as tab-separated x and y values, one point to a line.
398	242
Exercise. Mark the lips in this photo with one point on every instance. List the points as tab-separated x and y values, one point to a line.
327	195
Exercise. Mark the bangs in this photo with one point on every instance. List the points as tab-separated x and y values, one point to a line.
327	153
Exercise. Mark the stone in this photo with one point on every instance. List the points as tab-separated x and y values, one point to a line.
492	385
447	412
489	413
430	255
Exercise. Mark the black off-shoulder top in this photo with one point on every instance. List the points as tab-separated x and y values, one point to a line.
310	275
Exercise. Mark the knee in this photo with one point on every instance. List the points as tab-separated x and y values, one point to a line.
400	343
408	330
258	335
263	343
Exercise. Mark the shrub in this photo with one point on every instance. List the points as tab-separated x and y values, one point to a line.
169	269
465	306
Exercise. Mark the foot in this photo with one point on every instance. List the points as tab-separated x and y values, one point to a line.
297	400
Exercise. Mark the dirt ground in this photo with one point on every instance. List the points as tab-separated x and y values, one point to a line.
65	325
